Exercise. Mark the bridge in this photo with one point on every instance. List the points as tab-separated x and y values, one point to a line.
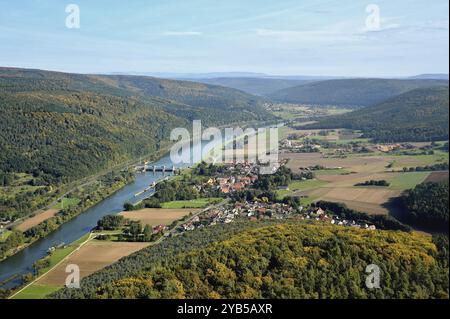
154	168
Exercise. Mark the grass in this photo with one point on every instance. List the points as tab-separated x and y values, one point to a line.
4	235
67	203
61	253
300	186
193	203
405	181
420	160
306	185
352	140
333	171
36	291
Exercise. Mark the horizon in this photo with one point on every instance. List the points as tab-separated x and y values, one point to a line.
287	38
236	74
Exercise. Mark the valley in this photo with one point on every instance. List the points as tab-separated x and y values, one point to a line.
345	170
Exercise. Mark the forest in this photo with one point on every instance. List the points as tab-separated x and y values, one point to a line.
276	259
427	206
414	116
354	93
59	127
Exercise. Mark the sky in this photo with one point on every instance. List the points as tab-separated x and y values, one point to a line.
279	37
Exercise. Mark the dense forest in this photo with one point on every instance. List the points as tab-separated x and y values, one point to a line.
59	127
427	206
418	115
350	92
290	259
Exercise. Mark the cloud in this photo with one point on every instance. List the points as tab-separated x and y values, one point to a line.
182	33
305	36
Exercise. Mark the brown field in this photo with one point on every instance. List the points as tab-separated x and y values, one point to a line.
349	180
367	199
92	257
36	220
355	163
157	216
437	177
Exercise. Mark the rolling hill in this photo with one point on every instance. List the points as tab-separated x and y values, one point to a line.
417	115
256	86
283	259
350	92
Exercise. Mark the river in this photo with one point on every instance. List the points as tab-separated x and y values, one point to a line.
23	261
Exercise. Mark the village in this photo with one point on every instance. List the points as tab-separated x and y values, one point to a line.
243	177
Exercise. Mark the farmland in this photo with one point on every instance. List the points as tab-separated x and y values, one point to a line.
36	220
193	203
338	168
157	216
91	257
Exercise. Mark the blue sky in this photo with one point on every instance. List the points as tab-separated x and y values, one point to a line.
302	37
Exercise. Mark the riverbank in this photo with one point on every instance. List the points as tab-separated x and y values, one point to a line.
91	198
70	231
33	291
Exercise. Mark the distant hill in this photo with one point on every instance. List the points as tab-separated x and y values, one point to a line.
350	92
256	86
417	115
63	126
436	76
283	259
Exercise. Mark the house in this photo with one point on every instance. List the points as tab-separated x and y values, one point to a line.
225	189
159	228
318	211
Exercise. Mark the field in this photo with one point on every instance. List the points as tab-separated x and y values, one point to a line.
4	235
193	203
93	256
366	199
296	186
38	290
408	180
437	177
36	220
337	182
157	216
66	203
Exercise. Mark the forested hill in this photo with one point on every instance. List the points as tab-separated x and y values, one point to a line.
350	92
257	86
283	259
63	126
191	94
418	115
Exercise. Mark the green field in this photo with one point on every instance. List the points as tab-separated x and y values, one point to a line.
300	186
332	171
305	185
193	203
4	235
66	203
36	291
420	160
408	180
